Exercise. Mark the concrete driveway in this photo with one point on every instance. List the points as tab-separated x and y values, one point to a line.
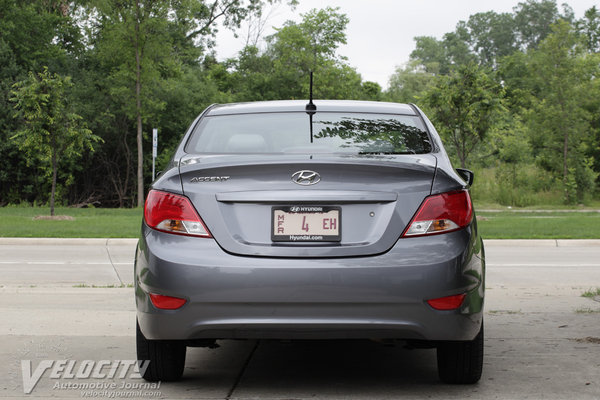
70	300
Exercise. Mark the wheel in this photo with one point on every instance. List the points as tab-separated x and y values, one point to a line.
461	362
167	357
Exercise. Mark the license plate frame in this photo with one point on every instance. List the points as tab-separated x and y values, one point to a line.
312	234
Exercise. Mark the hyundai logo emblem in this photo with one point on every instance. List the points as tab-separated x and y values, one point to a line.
306	177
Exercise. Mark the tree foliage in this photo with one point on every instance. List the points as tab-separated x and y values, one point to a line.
409	82
514	93
50	131
465	105
282	70
31	35
589	27
562	73
140	40
543	64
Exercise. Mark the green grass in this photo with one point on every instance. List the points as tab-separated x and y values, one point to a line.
592	205
539	225
591	293
125	223
88	222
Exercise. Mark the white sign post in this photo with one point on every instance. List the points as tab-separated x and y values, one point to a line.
154	148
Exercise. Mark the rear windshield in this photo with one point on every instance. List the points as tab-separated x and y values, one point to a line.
290	132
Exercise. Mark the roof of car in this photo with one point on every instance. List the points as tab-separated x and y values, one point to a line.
322	105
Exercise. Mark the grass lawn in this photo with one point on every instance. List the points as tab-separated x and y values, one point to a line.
125	223
539	225
87	222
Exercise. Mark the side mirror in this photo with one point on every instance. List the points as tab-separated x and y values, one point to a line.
466	174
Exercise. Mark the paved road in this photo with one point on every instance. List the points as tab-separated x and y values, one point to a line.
542	336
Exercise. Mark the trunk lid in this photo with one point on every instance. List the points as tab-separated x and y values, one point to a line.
375	196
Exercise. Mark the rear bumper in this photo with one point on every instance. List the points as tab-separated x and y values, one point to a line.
381	296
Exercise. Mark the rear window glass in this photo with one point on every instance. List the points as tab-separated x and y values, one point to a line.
352	133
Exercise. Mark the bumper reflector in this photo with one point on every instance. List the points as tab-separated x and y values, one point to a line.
166	302
447	303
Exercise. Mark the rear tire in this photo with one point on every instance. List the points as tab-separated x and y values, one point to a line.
461	362
167	357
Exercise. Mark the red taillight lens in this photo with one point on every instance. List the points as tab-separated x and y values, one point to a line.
173	213
442	213
447	303
166	302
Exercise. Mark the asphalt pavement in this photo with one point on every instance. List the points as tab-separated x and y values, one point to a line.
72	300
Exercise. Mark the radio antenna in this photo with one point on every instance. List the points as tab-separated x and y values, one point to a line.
311	108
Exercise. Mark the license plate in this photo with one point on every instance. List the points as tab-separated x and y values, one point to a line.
306	224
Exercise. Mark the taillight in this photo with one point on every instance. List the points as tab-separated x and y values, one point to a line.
442	213
173	213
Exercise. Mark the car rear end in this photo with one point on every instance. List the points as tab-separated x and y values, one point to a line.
273	222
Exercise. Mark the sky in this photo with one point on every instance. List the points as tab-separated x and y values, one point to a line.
380	33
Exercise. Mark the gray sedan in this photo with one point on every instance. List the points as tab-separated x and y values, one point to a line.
326	220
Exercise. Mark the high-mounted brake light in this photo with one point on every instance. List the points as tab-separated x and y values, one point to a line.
442	213
173	213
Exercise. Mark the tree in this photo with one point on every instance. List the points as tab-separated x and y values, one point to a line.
464	106
371	90
296	49
282	70
132	37
485	38
513	72
51	132
313	41
589	27
457	46
559	123
431	53
441	56
408	83
492	36
141	38
533	20
32	34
